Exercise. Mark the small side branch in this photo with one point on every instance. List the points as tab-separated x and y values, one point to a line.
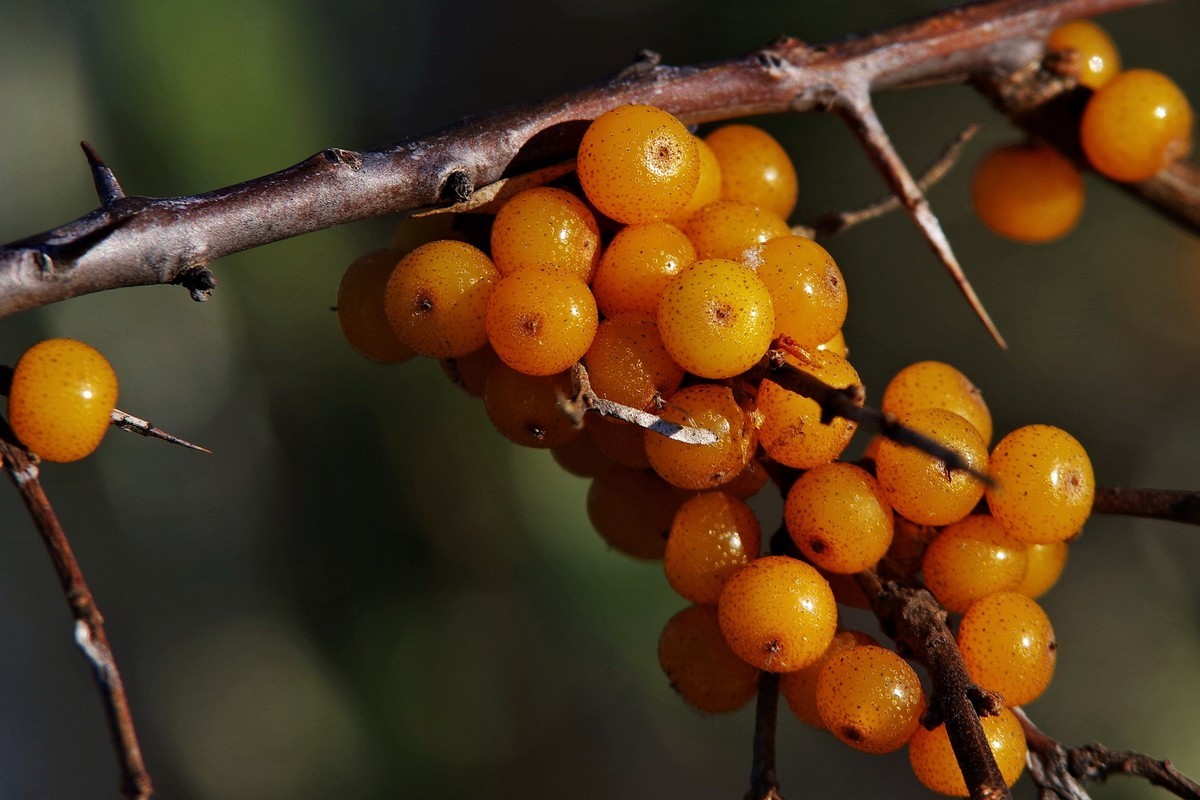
1175	505
1058	770
107	186
89	622
764	784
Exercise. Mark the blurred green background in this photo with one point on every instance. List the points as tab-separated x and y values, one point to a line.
365	592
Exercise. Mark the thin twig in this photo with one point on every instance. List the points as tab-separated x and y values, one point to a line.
1175	505
1058	770
128	422
89	623
764	784
586	400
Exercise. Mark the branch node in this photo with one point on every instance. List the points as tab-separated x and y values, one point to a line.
336	155
644	61
458	187
107	186
199	281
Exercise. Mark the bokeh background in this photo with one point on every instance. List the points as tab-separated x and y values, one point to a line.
365	592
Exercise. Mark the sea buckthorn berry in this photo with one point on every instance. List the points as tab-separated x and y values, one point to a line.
541	320
792	432
920	486
545	226
638	164
806	287
637	265
1008	646
933	760
870	698
1044	484
700	665
713	535
970	559
799	688
708	188
749	482
1099	60
1135	125
628	364
1046	564
623	442
754	168
777	613
632	510
729	229
580	456
909	543
836	344
932	384
1027	192
61	400
524	408
703	466
437	298
470	371
846	590
361	313
838	517
716	318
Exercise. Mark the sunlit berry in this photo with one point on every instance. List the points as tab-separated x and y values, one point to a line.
1099	60
545	226
703	466
1044	484
792	432
933	384
628	364
799	688
838	517
1135	125
1045	564
541	320
754	168
1008	646
870	698
971	559
806	287
730	229
713	535
708	188
1027	192
934	764
637	265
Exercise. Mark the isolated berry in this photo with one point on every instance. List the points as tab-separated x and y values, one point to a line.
1135	125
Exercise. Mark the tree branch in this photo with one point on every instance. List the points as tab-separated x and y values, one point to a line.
89	622
133	240
1175	505
764	784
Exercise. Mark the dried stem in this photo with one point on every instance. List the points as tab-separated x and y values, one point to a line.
585	400
1175	505
133	240
764	784
89	623
128	422
1057	770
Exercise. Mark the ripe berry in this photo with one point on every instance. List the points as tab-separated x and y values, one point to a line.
637	265
932	384
792	431
62	396
545	226
622	442
777	613
1008	646
1046	564
870	698
799	688
713	535
541	320
638	164
524	408
806	287
708	188
700	665
933	760
1135	125
1030	193
754	168
971	559
1044	484
1099	60
361	313
716	318
703	466
628	364
838	517
729	229
632	510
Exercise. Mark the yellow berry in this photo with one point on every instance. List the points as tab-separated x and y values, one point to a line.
806	287
637	265
792	431
1099	60
703	466
708	188
545	226
730	229
1044	484
1046	564
932	384
541	320
754	168
838	517
1008	646
713	535
933	760
870	698
1030	193
1135	125
970	559
799	688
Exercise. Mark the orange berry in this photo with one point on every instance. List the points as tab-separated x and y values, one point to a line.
700	665
806	287
470	371
638	164
637	265
792	431
708	188
934	764
1044	484
838	517
754	168
361	313
628	364
632	510
799	688
729	229
716	318
581	457
970	559
777	613
932	384
541	320
703	466
713	535
1046	564
1099	60
545	226
870	698
622	442
1008	646
1027	192
1135	125
61	400
524	408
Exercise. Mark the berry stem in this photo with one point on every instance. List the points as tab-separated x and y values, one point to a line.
89	622
1058	770
764	784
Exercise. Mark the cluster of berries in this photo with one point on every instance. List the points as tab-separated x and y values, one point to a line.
665	277
1135	123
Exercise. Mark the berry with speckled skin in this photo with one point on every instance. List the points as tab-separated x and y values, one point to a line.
524	408
638	164
933	384
919	486
541	320
708	188
637	265
933	760
792	431
1099	61
838	517
361	313
1045	564
632	510
1008	646
546	226
799	688
806	287
1027	192
777	613
701	666
870	698
716	318
1044	484
61	400
623	442
970	559
1135	125
713	535
754	168
437	298
731	229
703	466
628	364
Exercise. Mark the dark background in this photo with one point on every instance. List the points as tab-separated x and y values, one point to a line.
365	592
